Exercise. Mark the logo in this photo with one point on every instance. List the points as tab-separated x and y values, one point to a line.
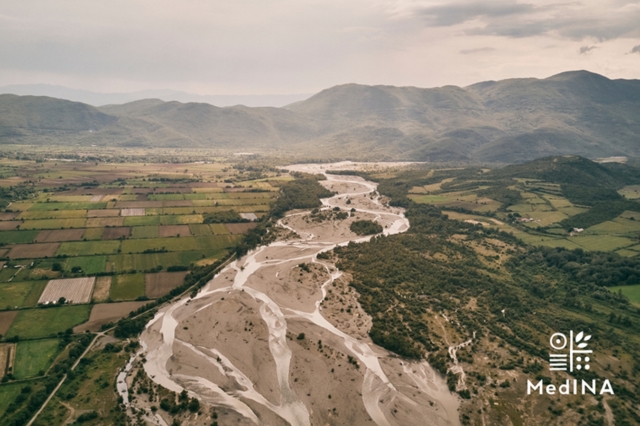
577	356
570	354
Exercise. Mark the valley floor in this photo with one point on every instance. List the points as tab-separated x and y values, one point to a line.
278	336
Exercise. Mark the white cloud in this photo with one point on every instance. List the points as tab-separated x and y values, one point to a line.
287	46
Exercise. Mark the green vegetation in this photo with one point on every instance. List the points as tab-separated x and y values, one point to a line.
36	323
89	265
302	193
20	294
446	281
127	287
365	227
18	237
230	216
34	357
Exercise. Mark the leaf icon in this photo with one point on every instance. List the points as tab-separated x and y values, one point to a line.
579	336
586	338
582	345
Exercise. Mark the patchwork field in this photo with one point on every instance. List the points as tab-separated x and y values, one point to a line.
127	222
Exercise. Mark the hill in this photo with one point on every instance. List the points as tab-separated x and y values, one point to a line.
516	120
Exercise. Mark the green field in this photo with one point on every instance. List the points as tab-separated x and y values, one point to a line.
180	219
20	294
127	287
93	233
17	237
200	229
88	248
218	229
632	292
144	232
53	224
67	206
141	220
145	262
34	357
34	323
601	242
53	214
179	244
89	264
8	394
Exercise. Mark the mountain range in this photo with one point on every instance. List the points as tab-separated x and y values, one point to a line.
99	99
513	120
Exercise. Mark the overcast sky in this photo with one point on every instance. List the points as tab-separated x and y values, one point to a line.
299	46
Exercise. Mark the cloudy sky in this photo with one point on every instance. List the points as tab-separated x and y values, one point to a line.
301	46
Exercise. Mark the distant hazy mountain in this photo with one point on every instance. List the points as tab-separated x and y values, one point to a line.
99	99
510	121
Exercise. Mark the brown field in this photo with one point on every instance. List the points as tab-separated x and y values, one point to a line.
174	231
157	285
33	251
57	235
9	226
75	290
115	233
239	228
96	222
8	215
101	289
6	319
107	312
3	252
7	358
96	198
133	212
103	213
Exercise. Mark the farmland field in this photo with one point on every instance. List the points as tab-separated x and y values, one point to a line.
6	319
74	290
88	264
59	235
34	357
157	285
34	323
116	233
144	232
86	248
53	224
101	289
20	294
127	287
31	251
107	312
18	237
79	219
